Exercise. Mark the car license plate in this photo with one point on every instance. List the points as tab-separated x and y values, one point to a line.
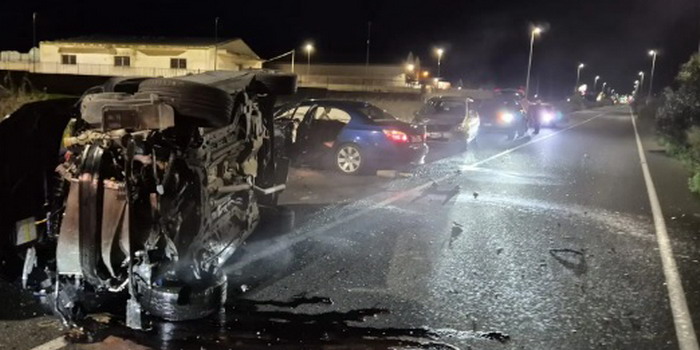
435	135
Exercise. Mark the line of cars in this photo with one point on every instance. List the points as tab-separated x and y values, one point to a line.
356	137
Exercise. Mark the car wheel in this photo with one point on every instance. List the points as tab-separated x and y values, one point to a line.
210	106
348	159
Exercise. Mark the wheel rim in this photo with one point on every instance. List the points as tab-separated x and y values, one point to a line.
349	159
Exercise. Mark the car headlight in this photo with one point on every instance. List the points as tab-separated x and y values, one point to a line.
507	117
547	117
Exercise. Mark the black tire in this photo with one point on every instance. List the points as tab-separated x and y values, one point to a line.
278	83
186	301
209	106
349	151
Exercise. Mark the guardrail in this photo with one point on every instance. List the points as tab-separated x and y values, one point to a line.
93	69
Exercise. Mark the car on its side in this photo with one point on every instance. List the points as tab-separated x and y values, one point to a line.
503	114
449	120
352	137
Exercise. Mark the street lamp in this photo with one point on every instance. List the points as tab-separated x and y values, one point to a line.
603	88
308	48
578	75
653	54
410	67
535	31
216	40
439	52
595	82
641	80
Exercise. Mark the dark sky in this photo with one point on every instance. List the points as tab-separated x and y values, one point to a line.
486	42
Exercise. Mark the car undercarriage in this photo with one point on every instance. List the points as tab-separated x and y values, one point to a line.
157	182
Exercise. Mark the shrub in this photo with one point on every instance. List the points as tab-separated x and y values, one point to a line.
12	97
678	119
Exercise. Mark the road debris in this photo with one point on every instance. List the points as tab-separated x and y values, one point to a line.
390	174
499	336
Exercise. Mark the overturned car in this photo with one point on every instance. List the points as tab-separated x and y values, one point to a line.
141	188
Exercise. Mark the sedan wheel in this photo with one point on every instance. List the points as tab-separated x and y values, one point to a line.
348	159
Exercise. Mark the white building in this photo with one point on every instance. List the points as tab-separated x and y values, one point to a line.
141	56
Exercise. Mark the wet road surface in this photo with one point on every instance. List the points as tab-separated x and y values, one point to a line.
541	243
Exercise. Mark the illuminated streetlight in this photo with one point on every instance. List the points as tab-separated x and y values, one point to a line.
641	80
578	75
439	52
535	31
308	48
426	74
603	88
410	67
653	54
595	82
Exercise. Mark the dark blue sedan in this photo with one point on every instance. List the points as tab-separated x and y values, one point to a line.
353	137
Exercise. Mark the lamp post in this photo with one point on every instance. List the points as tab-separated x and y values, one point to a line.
641	80
603	88
578	75
216	40
595	83
653	54
535	31
308	48
439	52
34	42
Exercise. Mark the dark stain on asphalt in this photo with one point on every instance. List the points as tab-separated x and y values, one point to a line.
253	324
456	232
571	259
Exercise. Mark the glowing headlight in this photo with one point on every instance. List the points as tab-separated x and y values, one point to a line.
547	117
507	117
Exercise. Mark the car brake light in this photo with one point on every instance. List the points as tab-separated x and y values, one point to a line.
395	135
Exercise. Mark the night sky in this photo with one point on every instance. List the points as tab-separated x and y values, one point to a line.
486	42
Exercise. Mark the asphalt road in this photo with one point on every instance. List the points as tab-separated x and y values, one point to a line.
541	243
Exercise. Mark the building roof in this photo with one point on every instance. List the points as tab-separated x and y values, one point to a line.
145	40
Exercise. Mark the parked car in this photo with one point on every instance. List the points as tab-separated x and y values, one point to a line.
141	190
449	119
503	114
352	137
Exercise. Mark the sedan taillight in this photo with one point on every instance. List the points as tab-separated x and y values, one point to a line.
396	135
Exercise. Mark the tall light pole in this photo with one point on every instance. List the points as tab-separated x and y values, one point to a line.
641	80
653	54
535	31
216	40
439	52
34	41
308	48
578	75
603	88
595	83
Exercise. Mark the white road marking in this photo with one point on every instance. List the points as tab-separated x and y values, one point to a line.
286	242
53	344
687	340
